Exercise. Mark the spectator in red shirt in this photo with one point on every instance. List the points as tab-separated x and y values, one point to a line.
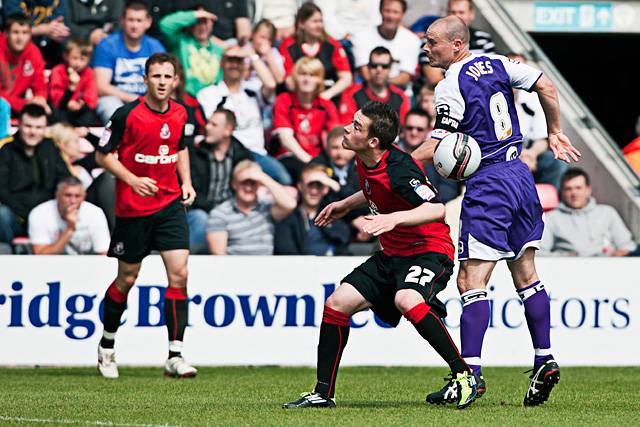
378	88
302	118
72	86
311	40
21	66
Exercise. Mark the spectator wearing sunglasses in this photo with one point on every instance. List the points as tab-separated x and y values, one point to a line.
377	88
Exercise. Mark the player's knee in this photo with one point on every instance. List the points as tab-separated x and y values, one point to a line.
335	302
126	281
179	277
406	299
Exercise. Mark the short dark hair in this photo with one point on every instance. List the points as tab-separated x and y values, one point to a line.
468	1
70	181
135	5
574	173
335	132
32	110
380	50
84	46
161	58
384	122
17	18
415	111
229	116
402	2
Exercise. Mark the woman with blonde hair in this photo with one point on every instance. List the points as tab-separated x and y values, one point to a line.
67	140
311	40
302	118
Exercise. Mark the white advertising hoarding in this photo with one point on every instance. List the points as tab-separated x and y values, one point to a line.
267	311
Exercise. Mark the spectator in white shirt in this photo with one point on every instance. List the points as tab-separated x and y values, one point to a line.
68	224
403	44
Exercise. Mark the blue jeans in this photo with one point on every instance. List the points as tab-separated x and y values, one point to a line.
273	168
9	225
550	170
197	221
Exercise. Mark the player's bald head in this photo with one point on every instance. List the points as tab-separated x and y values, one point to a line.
451	28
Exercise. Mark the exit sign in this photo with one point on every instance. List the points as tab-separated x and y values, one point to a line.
573	16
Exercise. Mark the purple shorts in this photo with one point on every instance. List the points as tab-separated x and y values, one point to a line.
501	213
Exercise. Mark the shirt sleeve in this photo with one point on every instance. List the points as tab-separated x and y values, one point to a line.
284	52
281	116
620	233
39	227
410	183
209	98
100	237
103	56
113	130
333	118
348	106
339	58
450	108
217	221
521	76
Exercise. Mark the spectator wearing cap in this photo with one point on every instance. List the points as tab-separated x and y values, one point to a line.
21	66
30	168
244	225
119	60
297	234
188	35
234	93
310	40
581	227
68	225
377	88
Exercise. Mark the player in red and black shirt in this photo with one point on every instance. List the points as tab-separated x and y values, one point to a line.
415	262
378	88
148	137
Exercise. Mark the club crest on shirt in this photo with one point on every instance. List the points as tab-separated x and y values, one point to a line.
163	150
305	126
367	187
165	133
118	248
27	70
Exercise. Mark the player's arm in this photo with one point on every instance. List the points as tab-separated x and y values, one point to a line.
184	172
558	142
423	214
337	210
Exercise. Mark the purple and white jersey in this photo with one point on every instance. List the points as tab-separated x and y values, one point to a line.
476	98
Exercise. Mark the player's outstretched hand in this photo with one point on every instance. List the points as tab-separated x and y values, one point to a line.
330	213
188	195
144	186
378	224
562	149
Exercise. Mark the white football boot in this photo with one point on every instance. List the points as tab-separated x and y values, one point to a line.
176	367
107	365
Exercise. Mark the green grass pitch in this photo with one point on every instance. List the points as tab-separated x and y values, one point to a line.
252	397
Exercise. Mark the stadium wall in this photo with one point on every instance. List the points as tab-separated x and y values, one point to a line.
267	310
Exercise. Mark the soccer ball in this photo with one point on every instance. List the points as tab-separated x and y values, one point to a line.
457	156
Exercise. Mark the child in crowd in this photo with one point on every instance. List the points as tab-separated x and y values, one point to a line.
72	86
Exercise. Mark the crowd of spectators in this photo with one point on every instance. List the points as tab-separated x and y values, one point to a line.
268	85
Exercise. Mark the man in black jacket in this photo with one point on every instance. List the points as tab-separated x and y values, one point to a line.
212	162
297	234
30	169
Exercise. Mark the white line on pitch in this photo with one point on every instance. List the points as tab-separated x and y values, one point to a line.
80	422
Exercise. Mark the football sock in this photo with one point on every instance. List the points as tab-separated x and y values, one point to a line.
175	315
430	327
334	332
537	312
115	302
473	325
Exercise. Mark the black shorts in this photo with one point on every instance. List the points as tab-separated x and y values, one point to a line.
381	276
133	238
